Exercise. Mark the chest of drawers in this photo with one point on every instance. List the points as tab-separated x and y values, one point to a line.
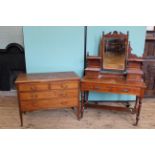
48	91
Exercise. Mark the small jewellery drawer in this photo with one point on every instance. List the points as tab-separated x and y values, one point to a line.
48	94
33	86
32	105
64	85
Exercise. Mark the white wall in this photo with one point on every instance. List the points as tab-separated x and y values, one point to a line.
10	34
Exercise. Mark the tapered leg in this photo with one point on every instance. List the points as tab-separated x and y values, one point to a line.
138	111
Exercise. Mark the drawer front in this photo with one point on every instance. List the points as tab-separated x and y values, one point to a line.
48	86
64	85
110	89
33	86
48	104
48	94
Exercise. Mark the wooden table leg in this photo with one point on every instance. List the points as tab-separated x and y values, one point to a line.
82	102
127	104
78	112
136	103
86	98
138	111
21	118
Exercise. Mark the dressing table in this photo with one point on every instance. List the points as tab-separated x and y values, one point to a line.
115	70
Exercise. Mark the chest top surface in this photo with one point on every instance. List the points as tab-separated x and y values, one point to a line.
41	77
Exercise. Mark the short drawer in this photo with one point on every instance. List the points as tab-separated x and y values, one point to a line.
33	86
64	85
48	104
123	90
48	94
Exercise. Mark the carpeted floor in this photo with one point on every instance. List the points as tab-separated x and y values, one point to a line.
66	119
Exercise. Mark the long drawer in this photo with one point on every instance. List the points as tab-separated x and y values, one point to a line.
32	105
48	94
110	89
42	86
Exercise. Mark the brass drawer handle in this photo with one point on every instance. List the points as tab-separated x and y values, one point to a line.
109	88
96	87
64	85
63	102
63	95
125	90
32	88
34	96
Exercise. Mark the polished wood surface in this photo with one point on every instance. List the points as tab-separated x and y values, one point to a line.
39	77
48	91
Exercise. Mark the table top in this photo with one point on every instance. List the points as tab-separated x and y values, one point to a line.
40	77
117	82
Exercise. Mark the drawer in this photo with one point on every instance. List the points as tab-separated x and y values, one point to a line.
33	86
111	89
48	94
64	85
123	90
48	104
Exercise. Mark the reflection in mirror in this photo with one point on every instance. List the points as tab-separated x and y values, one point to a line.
114	54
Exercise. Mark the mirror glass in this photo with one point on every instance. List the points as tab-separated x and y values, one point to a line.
114	54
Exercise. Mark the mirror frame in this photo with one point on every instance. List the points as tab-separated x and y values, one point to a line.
114	35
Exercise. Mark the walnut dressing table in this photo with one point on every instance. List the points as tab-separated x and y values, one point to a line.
48	91
116	87
116	70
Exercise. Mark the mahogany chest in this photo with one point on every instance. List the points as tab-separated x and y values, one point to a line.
48	91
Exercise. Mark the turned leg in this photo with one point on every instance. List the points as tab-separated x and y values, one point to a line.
138	111
127	104
86	98
135	107
82	103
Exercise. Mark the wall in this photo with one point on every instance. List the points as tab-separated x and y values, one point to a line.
10	34
136	37
53	49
